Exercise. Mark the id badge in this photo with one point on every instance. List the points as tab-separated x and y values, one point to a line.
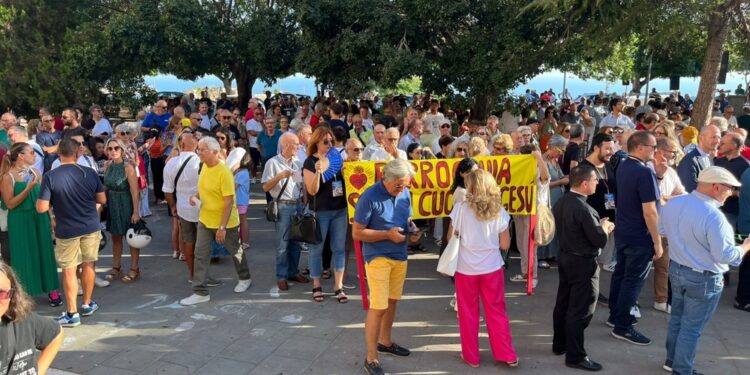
609	201
338	188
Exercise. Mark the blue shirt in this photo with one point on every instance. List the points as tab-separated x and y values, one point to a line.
71	191
152	120
379	210
636	184
242	187
699	234
269	144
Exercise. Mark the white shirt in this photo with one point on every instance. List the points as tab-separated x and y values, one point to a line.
620	121
186	187
371	148
301	153
83	160
381	154
367	123
253	125
478	252
432	122
731	121
205	122
278	164
102	126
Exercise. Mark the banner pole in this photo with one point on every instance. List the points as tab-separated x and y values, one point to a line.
532	253
361	272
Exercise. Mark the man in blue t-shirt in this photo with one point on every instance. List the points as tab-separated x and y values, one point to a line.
158	118
636	237
75	193
382	221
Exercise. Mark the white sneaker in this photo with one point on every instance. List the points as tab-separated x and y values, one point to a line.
80	288
101	283
242	285
533	284
635	312
663	307
453	303
609	267
194	300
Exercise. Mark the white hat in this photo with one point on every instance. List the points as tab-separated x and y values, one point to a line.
718	175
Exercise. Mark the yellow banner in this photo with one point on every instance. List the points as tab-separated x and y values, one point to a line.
431	187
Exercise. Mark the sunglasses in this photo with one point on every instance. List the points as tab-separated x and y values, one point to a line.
566	131
445	126
116	148
6	294
618	131
358	149
196	118
124	133
461	149
393	139
226	117
327	142
221	138
481	133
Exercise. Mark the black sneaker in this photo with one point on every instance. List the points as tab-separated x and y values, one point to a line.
373	368
632	336
667	366
609	323
394	349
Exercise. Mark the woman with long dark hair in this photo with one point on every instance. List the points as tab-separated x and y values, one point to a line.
29	232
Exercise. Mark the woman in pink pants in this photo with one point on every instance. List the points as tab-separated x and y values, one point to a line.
482	224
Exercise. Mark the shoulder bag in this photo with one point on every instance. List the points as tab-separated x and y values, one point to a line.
272	209
544	231
448	261
306	228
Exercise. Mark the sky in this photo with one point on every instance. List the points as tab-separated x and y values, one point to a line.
301	84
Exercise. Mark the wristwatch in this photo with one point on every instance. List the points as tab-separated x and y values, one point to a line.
222	228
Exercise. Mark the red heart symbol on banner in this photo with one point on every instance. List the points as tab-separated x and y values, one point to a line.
358	180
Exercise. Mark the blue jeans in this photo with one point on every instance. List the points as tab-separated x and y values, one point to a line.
332	223
633	264
287	252
695	296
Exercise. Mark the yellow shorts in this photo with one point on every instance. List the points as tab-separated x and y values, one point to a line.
71	252
385	279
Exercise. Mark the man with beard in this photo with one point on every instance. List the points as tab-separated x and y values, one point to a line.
603	199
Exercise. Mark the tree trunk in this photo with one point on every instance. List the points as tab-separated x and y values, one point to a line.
718	27
245	84
227	85
481	107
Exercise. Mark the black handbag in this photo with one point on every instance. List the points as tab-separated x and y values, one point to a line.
272	208
305	228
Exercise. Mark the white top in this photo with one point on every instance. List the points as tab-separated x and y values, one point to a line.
253	125
235	157
670	182
478	251
205	122
381	154
432	122
301	152
732	121
38	155
620	121
508	122
83	160
278	164
186	186
102	126
371	148
367	123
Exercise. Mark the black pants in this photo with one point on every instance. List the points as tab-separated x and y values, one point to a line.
5	247
157	169
743	283
576	301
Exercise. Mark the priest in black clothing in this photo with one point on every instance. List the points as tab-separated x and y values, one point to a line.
581	235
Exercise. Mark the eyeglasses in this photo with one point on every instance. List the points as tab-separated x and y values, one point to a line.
618	131
116	148
526	135
730	187
196	118
125	133
393	139
226	117
461	149
669	154
499	149
357	149
6	293
81	144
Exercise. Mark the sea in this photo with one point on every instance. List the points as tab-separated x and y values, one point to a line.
555	80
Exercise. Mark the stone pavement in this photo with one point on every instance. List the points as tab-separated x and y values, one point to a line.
141	329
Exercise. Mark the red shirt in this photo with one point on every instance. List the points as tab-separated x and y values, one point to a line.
59	124
745	152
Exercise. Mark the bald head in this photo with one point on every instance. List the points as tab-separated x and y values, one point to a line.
289	145
188	142
8	120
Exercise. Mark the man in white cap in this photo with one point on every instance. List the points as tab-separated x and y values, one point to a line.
698	261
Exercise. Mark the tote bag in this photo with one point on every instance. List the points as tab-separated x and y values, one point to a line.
448	261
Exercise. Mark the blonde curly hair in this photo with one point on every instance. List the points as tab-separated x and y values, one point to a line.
483	195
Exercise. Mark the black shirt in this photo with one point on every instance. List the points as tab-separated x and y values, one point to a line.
324	200
232	128
577	226
572	152
607	184
71	132
20	340
737	166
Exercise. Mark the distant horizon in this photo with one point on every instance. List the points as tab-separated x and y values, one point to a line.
301	84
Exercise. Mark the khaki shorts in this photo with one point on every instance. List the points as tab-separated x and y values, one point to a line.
385	279
188	231
71	252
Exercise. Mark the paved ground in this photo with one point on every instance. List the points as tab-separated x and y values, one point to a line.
141	329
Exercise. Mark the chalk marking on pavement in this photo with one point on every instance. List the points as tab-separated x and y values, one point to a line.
175	305
202	317
292	319
251	318
157	299
257	332
185	326
233	309
274	292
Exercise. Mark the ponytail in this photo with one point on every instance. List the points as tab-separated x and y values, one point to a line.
11	156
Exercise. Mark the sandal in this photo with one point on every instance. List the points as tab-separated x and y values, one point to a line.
341	296
518	278
543	264
132	275
317	294
114	273
326	274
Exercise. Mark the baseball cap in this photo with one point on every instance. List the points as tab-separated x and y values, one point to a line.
718	175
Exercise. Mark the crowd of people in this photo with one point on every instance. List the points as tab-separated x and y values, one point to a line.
608	171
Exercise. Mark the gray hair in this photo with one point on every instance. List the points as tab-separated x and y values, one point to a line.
524	128
576	130
296	123
397	169
211	143
557	141
393	130
122	128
